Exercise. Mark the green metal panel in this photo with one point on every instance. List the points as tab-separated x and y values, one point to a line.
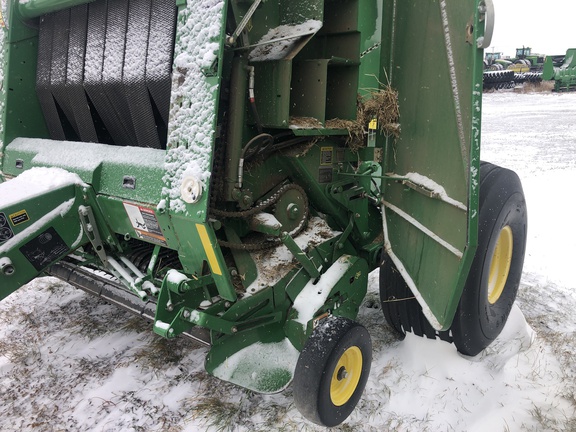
430	203
36	228
273	92
342	92
20	47
132	173
308	96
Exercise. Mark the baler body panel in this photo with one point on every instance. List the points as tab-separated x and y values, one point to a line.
430	197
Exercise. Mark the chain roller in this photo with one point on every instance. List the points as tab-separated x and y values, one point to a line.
270	201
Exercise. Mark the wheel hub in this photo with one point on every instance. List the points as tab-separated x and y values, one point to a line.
500	264
346	376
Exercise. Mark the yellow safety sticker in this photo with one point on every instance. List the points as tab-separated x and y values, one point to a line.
210	254
326	155
373	124
19	217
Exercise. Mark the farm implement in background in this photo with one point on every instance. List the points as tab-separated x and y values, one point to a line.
564	75
501	73
233	170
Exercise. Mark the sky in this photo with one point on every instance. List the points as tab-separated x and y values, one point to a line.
545	26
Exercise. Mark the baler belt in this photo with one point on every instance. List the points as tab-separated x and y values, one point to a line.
43	85
104	71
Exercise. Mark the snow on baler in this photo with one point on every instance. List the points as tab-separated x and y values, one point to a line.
232	170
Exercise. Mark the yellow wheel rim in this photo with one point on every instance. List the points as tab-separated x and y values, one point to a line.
500	264
346	376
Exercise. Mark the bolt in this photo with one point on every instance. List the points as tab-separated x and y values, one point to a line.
8	270
186	314
247	200
6	267
234	330
342	374
293	211
170	331
227	304
169	307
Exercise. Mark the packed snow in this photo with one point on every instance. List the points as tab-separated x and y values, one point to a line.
34	183
69	361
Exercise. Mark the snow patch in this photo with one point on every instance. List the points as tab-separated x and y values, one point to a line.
273	265
314	295
436	189
34	183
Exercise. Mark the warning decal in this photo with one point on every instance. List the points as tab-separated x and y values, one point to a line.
145	223
6	232
19	217
326	155
44	249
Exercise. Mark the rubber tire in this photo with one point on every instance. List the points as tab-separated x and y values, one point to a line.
477	322
316	364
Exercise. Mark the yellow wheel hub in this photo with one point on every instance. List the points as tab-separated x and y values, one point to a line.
346	376
500	264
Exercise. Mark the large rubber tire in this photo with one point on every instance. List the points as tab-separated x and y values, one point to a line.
482	312
494	278
332	371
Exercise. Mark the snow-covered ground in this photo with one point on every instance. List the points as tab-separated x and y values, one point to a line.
70	362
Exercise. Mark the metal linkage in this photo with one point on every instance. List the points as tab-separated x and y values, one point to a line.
232	39
122	268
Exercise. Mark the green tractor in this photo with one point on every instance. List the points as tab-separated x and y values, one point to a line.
232	170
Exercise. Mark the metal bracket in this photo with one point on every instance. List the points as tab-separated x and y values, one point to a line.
90	228
300	256
232	39
339	245
486	9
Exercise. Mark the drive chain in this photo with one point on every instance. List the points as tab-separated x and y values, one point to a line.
270	201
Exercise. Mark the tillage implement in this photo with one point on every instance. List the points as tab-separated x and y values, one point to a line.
234	169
